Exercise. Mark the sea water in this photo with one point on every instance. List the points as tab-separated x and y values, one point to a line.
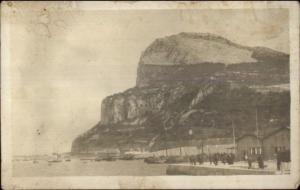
78	167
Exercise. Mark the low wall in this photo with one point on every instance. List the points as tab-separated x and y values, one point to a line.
204	171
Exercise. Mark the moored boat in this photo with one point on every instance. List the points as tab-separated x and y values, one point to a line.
109	158
98	159
127	157
55	159
176	159
154	160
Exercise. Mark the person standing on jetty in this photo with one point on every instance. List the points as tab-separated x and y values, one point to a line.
260	161
216	158
210	158
278	159
249	160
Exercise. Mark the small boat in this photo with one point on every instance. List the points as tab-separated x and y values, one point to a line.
56	159
107	155
109	158
127	157
154	160
87	159
98	159
176	159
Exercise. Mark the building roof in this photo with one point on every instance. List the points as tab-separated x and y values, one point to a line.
276	131
217	141
267	133
247	135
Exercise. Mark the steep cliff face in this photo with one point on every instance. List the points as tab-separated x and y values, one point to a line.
177	76
136	116
134	105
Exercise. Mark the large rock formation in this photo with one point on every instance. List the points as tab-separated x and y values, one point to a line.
190	57
198	81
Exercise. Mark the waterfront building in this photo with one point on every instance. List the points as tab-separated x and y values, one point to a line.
194	147
248	144
276	141
272	142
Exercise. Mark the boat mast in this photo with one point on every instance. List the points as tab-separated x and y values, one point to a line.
256	122
165	130
233	135
257	130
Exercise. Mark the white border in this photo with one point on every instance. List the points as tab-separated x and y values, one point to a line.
273	181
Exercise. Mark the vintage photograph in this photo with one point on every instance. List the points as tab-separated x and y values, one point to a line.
146	92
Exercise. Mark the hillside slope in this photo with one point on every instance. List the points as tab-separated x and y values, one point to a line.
193	81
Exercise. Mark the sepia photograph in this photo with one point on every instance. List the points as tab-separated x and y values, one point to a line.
149	94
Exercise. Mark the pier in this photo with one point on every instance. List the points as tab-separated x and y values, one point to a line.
206	169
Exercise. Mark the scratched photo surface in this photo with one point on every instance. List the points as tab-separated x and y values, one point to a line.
147	92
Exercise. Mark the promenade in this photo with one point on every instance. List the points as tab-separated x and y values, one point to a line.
238	168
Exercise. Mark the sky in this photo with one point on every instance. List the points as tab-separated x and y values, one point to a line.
64	63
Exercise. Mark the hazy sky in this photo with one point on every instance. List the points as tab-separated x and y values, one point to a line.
65	62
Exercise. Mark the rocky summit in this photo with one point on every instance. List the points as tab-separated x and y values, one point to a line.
193	81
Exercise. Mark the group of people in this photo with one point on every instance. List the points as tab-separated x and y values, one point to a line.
200	158
283	157
252	158
223	157
212	158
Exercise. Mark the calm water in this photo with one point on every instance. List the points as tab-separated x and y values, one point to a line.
88	168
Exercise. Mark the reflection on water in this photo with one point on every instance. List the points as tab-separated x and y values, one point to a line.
78	167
